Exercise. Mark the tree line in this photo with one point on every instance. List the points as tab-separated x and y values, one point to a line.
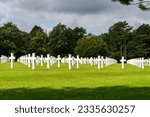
61	40
120	40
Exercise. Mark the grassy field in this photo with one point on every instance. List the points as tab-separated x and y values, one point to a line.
88	82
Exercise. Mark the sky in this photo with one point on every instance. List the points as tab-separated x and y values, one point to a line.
96	16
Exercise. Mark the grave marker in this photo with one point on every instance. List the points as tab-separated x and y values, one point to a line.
4	59
29	60
12	58
99	62
26	60
70	61
77	61
33	58
91	61
102	62
59	60
51	59
41	60
142	62
106	61
122	61
48	61
73	61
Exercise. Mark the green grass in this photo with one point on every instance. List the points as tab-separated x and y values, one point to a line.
111	83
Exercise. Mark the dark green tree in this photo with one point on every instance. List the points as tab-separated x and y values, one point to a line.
78	33
6	47
26	38
58	42
12	40
62	40
38	42
139	44
117	39
35	30
91	47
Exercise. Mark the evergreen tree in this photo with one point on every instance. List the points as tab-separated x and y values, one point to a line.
117	38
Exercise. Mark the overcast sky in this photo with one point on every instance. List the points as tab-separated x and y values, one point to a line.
94	15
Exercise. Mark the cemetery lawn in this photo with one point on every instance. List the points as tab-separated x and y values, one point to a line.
86	83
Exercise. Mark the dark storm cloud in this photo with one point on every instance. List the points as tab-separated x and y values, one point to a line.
67	6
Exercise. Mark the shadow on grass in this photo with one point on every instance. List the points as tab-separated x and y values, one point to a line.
69	93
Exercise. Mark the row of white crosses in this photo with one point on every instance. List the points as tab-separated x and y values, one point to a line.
110	61
99	61
4	59
139	62
147	62
32	61
29	61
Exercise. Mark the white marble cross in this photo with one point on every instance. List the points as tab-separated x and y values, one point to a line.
95	61
106	61
139	62
26	60
122	61
77	61
102	62
33	58
81	61
51	59
12	58
73	61
91	61
59	60
63	60
48	61
142	62
37	60
70	61
99	62
29	60
41	60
